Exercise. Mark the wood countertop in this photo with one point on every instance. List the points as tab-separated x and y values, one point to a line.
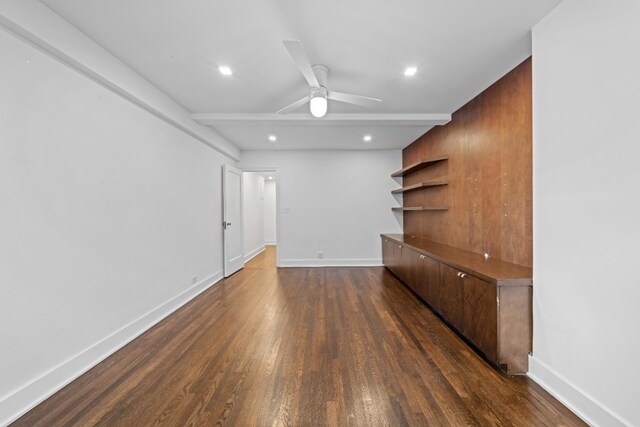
493	270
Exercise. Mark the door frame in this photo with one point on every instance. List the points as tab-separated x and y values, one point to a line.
278	219
225	269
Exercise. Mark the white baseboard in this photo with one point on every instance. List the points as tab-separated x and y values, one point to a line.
330	263
253	253
27	397
270	243
579	402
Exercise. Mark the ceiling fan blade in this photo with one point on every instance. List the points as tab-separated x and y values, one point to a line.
300	58
365	101
295	105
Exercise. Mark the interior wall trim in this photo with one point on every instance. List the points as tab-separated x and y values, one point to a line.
26	398
581	403
257	251
156	103
331	263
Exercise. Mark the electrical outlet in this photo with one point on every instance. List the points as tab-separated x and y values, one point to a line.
194	279
320	255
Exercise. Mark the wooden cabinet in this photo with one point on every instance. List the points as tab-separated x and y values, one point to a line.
449	296
488	301
410	263
480	314
515	327
392	255
399	263
419	272
388	253
386	256
431	271
427	279
396	259
412	269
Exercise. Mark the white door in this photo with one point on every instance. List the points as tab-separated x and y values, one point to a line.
232	219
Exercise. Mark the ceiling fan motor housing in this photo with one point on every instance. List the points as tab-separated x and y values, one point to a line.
318	92
321	72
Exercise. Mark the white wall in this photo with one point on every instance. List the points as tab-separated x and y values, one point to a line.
586	65
40	26
333	202
253	214
106	214
270	232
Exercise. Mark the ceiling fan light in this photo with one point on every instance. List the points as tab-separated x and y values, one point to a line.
411	71
224	70
318	106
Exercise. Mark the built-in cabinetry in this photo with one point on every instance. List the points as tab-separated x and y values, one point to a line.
486	300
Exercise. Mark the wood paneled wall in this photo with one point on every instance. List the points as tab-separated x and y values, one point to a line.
488	142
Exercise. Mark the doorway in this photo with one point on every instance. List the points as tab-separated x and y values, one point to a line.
232	224
260	207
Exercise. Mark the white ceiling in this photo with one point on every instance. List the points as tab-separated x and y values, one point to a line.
459	46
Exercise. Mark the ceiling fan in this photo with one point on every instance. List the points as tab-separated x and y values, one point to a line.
316	76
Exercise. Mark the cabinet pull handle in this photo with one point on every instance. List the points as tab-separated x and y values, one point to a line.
459	274
462	275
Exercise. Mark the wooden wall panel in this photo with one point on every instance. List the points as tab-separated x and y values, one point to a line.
488	142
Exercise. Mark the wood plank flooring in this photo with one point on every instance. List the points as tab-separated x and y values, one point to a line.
300	346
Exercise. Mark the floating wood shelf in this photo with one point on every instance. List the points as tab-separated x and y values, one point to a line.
419	165
419	208
419	186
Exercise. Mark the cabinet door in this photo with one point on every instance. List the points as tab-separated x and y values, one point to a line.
430	274
450	295
414	279
386	253
396	257
417	276
480	315
405	264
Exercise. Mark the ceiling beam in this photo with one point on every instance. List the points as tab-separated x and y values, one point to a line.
37	24
224	119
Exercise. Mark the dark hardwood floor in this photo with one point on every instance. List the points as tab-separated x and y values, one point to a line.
300	346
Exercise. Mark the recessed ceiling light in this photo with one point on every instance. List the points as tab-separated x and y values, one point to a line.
269	177
367	138
411	71
224	70
273	138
